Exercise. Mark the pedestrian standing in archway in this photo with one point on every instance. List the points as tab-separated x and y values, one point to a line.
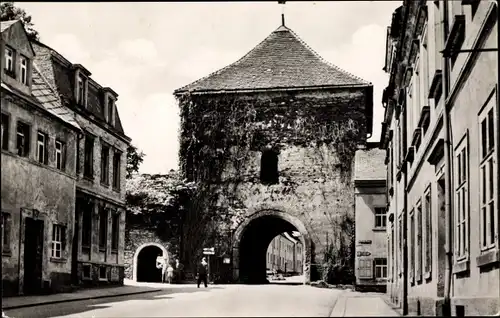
179	268
202	273
170	273
161	263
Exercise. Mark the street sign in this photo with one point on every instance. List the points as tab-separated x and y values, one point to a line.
209	251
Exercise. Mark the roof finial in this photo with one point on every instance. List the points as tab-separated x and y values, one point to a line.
282	12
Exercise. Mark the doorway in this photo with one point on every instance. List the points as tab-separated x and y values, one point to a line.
33	256
146	264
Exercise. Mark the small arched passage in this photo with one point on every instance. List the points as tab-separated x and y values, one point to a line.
252	239
145	262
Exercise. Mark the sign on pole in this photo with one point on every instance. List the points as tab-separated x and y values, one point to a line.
209	251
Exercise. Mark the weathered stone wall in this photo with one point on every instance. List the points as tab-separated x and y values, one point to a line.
28	184
137	237
316	134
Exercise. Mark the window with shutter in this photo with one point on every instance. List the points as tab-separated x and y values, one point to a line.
365	270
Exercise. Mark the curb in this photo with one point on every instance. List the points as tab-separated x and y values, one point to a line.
398	310
51	302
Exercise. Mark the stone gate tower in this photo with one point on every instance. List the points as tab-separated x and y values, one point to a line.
271	140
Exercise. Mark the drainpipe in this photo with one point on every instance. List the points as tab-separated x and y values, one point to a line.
448	169
405	214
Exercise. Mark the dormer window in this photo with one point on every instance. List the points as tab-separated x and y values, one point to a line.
24	70
110	110
9	62
81	90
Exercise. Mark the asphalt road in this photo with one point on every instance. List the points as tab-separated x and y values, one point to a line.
216	300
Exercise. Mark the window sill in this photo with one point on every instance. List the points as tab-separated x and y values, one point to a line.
419	278
104	184
86	278
103	279
116	190
58	260
7	253
488	258
114	251
461	266
10	73
379	229
88	178
101	249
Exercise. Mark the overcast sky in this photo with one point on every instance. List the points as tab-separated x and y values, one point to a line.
144	51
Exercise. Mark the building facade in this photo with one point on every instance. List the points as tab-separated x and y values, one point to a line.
38	175
284	254
441	135
282	160
100	169
370	210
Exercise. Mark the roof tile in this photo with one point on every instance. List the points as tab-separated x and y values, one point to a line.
282	60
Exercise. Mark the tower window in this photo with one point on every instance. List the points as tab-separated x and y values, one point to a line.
269	167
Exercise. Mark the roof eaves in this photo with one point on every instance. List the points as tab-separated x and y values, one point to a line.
268	89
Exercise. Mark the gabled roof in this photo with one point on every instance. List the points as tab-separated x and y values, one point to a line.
48	97
282	60
4	25
59	74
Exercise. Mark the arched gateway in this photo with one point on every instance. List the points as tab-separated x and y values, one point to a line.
145	262
251	240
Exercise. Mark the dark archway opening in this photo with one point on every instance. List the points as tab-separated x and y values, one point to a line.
146	264
257	236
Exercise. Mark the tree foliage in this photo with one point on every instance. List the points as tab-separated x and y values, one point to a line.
159	202
8	12
135	157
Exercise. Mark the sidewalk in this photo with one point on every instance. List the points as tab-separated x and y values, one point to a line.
356	304
84	294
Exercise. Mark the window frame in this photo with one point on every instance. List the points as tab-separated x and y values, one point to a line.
382	267
26	138
5	131
103	228
87	211
57	243
88	163
461	199
487	169
23	67
80	82
428	249
12	58
380	216
45	159
365	271
115	232
61	161
418	241
117	170
6	233
269	160
104	177
412	246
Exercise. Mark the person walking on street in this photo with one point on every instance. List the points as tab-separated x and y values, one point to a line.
170	273
202	273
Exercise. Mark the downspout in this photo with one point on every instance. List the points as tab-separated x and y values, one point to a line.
448	199
405	214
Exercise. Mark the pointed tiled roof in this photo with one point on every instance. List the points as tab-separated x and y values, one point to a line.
282	60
